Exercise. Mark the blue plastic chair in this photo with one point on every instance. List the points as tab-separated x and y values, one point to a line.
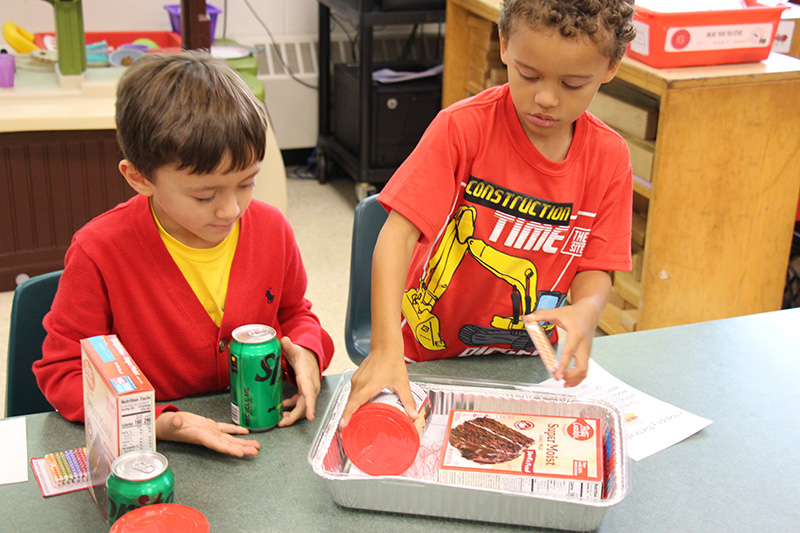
369	218
32	300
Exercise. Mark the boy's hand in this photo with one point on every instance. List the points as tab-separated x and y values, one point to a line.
589	290
183	426
385	367
375	373
306	371
580	323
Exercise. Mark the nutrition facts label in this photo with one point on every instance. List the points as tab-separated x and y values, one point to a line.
136	419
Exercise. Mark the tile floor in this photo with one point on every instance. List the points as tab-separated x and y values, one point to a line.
322	217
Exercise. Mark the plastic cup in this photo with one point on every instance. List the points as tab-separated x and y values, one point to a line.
7	66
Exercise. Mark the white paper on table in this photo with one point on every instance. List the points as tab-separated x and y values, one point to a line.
13	451
650	424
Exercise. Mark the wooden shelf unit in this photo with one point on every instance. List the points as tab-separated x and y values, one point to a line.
725	179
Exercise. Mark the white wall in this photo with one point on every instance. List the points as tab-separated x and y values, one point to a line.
283	17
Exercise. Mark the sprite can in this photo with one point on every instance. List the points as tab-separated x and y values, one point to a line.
137	479
256	377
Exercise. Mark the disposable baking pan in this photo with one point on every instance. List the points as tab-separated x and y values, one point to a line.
420	496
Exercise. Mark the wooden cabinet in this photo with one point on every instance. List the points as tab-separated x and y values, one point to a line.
721	203
52	182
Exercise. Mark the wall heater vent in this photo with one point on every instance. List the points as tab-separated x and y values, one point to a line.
293	106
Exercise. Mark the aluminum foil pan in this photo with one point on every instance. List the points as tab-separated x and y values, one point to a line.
417	492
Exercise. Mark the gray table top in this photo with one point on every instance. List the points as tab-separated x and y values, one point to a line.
742	373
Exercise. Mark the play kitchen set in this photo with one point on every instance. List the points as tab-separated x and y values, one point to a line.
71	53
57	133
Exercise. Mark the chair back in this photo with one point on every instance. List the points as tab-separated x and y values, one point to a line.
32	300
369	218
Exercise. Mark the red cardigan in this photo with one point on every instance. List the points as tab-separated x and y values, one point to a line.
120	279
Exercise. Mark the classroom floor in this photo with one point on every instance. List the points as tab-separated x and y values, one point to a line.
322	218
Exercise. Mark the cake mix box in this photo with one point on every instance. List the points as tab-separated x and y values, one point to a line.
119	408
536	454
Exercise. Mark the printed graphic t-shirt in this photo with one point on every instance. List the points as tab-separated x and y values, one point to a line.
504	229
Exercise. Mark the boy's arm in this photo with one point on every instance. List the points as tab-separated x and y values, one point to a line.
80	309
385	365
590	291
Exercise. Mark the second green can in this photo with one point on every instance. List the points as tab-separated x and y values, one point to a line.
137	479
256	377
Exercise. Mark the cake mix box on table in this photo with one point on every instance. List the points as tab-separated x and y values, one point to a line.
542	455
119	409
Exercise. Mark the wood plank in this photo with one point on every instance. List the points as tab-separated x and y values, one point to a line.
455	60
725	198
637	260
625	116
610	320
629	318
638	228
642	156
628	288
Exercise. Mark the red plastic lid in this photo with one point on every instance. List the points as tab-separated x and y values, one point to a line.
162	518
381	440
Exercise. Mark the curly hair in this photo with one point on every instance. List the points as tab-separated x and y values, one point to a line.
607	22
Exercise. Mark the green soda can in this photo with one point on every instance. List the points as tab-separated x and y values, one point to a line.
137	479
256	377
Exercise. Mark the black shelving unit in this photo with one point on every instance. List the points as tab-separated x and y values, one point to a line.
367	14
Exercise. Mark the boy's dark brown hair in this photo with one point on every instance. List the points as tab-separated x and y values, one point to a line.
607	22
189	109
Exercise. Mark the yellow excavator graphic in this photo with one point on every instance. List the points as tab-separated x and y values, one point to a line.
458	240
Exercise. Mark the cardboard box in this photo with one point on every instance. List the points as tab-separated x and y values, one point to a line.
537	454
119	409
715	37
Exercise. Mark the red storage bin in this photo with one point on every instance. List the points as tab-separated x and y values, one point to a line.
164	39
667	40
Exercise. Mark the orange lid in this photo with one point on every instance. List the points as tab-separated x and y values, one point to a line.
162	518
381	440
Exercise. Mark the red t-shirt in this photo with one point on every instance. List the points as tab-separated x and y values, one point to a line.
504	229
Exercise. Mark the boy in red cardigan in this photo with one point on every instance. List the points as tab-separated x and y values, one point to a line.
173	271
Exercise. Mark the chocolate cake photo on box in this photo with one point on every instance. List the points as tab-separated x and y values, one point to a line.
537	454
487	441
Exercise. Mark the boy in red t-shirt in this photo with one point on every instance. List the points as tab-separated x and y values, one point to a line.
512	199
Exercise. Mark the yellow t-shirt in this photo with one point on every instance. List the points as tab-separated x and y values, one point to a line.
206	269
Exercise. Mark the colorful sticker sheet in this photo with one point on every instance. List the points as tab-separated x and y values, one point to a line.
61	472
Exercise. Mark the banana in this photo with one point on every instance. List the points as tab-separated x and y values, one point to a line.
19	39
